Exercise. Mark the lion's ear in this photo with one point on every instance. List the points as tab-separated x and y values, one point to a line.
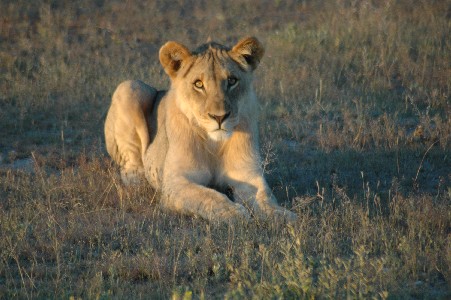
249	51
172	55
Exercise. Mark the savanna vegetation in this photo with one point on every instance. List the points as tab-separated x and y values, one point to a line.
355	135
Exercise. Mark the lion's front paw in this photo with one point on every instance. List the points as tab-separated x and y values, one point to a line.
277	212
133	177
233	213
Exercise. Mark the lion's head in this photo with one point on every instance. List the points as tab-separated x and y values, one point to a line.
213	83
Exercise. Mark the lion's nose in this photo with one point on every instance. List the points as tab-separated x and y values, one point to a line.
219	119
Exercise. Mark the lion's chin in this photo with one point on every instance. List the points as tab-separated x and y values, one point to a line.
219	135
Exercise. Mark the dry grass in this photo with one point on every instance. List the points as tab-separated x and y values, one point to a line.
355	109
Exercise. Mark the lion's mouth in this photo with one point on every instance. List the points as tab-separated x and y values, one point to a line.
220	134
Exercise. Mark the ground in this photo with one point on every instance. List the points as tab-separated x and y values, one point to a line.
355	136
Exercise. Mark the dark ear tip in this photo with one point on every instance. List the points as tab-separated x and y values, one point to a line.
258	46
249	59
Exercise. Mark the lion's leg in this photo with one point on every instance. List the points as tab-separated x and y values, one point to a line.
244	175
193	199
253	192
126	128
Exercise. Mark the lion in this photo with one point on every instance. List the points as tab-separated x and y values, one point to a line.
198	139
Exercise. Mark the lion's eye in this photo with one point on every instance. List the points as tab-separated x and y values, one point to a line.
232	81
198	84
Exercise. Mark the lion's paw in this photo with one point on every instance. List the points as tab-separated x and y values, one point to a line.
132	178
233	213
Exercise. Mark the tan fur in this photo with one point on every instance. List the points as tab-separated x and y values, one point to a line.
199	137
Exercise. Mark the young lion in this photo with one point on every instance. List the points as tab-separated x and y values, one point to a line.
199	137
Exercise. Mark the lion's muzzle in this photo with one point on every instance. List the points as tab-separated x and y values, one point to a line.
219	119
